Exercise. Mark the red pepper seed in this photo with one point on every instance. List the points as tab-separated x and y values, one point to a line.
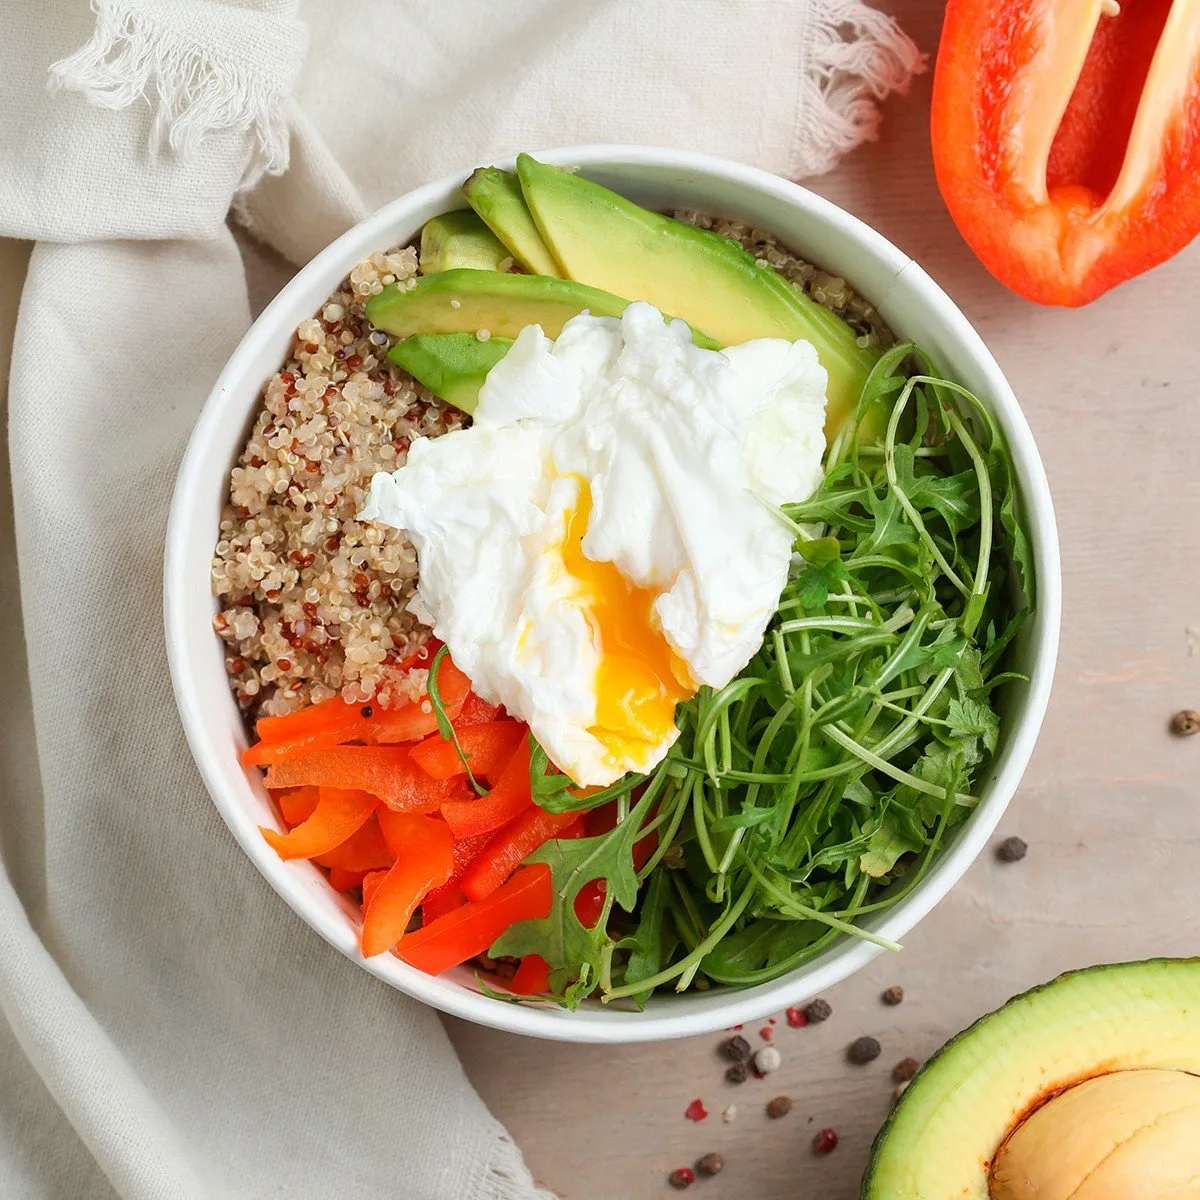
696	1110
825	1141
766	1033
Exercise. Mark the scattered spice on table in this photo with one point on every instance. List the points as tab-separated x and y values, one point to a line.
863	1050
797	1018
893	996
818	1010
825	1141
738	1073
766	1033
736	1049
681	1177
899	1090
767	1059
780	1106
710	1164
1185	722
729	1115
904	1070
696	1110
1011	850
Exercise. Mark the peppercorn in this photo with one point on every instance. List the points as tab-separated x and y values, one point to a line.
736	1049
825	1141
738	1072
1185	722
1011	850
904	1070
367	711
818	1010
797	1018
863	1050
681	1178
710	1164
779	1107
893	995
767	1059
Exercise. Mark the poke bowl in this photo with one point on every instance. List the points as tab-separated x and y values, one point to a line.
613	600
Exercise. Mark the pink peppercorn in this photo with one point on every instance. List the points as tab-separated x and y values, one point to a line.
681	1178
797	1018
825	1141
696	1110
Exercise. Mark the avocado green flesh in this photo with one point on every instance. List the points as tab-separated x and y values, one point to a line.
460	239
601	238
955	1115
465	301
496	196
452	366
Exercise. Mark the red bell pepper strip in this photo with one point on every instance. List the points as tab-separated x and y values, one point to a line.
532	977
342	880
487	747
510	846
510	797
371	881
334	722
471	929
338	814
475	712
297	804
442	900
364	850
426	863
589	902
1066	141
386	771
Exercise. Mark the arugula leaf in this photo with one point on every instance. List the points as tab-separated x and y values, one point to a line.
646	944
445	728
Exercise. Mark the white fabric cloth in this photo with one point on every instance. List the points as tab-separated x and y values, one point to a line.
170	1030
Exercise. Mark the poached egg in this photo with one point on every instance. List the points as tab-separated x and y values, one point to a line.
599	543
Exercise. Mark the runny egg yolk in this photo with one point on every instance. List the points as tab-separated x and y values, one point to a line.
640	678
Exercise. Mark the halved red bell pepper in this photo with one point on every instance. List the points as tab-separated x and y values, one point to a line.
386	771
426	863
510	797
471	929
510	846
487	747
339	813
1066	141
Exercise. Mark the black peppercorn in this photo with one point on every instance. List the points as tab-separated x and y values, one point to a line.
736	1049
737	1073
818	1010
710	1164
863	1050
904	1070
893	995
367	711
1011	850
1185	722
779	1107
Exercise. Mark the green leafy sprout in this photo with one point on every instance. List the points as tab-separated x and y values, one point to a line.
816	787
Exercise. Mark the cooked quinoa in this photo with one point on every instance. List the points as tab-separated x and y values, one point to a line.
313	602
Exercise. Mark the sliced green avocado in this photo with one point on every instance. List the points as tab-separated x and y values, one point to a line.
452	366
460	239
496	196
599	237
465	301
1066	1082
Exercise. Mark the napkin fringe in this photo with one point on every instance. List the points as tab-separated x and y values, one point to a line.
856	56
508	1177
133	51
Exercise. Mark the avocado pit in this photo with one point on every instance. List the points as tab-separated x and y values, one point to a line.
1124	1135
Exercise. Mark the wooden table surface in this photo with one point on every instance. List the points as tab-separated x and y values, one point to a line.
1110	805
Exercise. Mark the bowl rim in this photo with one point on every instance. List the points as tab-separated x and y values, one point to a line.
727	1007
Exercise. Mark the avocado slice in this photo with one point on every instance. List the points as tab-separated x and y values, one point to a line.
452	366
1092	1073
599	237
460	239
496	196
465	301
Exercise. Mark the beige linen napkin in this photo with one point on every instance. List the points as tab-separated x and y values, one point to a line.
170	1029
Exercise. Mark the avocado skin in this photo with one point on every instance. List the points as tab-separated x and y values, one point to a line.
496	196
466	301
452	366
600	237
460	239
874	1187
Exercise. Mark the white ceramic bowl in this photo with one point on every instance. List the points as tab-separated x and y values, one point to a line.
908	300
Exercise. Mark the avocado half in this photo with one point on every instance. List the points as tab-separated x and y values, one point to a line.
1085	1088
